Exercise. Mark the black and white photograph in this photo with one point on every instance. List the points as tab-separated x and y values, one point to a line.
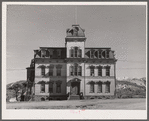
74	60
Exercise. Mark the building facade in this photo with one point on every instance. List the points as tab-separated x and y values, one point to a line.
73	71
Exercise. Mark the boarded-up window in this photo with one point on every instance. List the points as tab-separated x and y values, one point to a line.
42	87
99	87
91	87
107	88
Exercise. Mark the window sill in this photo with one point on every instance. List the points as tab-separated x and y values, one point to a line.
91	92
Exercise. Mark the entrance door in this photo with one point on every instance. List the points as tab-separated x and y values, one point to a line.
75	88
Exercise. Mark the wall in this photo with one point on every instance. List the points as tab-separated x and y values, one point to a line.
97	78
54	78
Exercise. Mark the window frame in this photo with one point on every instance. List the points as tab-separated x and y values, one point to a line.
58	88
99	90
107	87
92	69
107	71
92	87
42	88
43	71
100	71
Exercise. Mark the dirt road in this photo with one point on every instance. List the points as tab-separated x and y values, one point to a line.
108	104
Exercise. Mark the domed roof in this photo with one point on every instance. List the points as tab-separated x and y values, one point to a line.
75	31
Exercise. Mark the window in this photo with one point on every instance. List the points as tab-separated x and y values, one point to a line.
58	88
71	52
79	71
51	53
80	53
51	87
99	54
43	71
75	70
99	87
43	53
100	71
107	71
92	54
50	71
76	51
107	88
58	71
107	54
42	87
91	87
92	71
71	70
47	53
58	53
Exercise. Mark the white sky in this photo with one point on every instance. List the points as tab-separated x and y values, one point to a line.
123	28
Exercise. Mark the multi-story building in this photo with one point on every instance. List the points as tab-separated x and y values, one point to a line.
66	72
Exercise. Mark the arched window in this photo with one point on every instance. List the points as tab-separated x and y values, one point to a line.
92	53
107	54
100	54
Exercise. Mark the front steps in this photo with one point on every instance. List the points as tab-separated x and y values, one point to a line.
74	97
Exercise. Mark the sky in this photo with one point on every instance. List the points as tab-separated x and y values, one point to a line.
121	27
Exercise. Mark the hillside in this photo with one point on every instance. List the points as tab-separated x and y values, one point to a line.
11	93
131	88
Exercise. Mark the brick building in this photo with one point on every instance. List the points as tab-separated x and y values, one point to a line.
67	72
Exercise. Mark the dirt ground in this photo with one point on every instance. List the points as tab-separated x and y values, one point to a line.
108	104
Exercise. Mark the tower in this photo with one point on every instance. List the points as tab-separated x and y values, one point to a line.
75	41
